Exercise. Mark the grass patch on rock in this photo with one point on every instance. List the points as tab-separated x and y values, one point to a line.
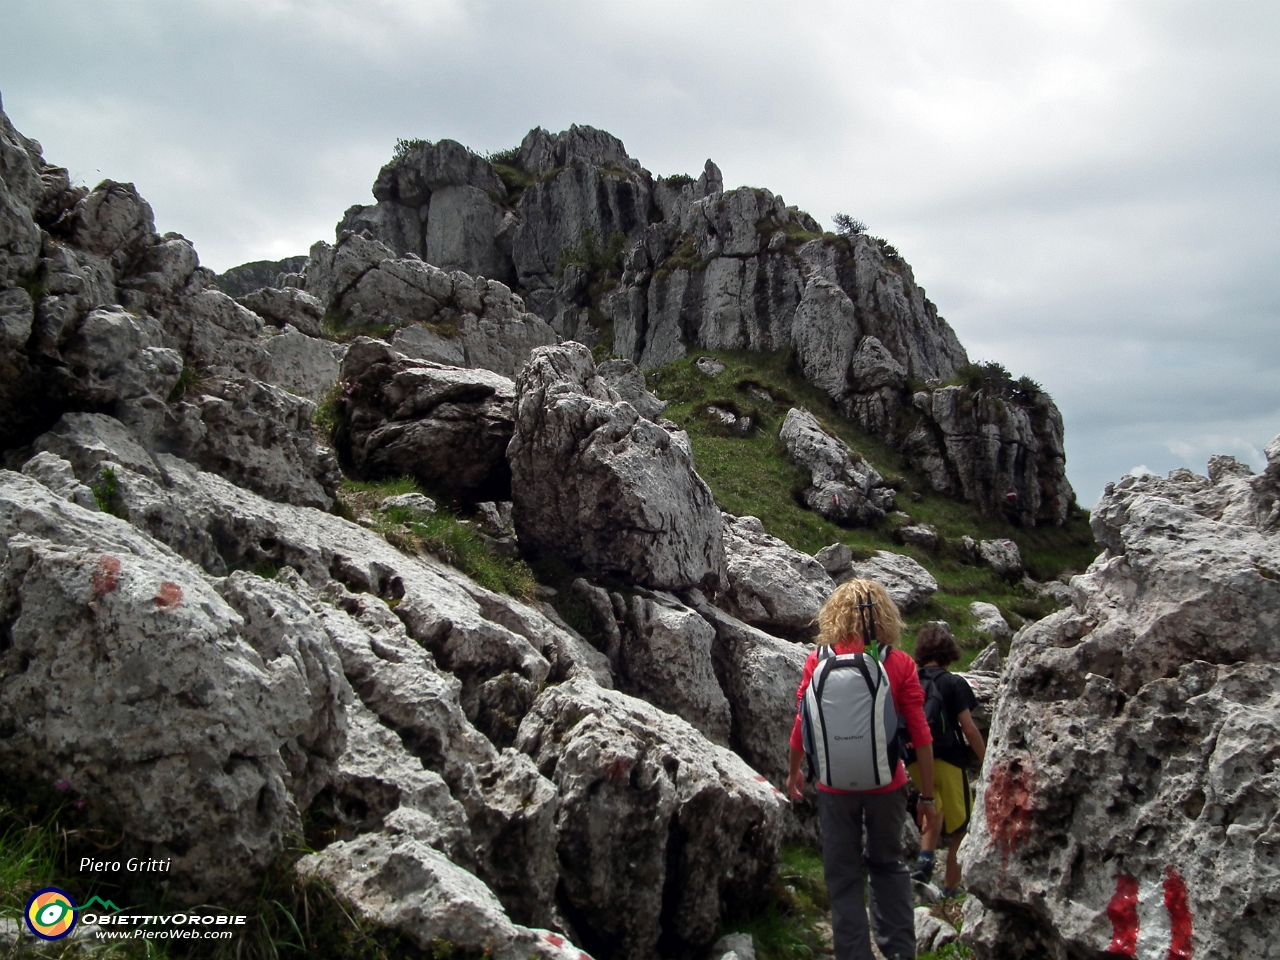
447	534
791	926
750	475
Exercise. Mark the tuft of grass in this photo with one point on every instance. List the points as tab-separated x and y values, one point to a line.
187	379
678	180
445	533
105	493
336	325
751	476
404	147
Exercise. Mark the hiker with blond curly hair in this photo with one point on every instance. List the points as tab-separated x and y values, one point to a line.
847	723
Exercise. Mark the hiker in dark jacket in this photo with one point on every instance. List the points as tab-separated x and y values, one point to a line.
935	651
859	617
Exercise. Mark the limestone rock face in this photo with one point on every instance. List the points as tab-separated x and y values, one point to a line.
845	488
204	735
1125	750
771	586
286	307
596	483
446	426
656	826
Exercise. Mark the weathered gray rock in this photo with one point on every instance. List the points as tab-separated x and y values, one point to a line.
59	477
909	584
710	366
201	727
734	946
771	586
625	379
845	488
988	621
255	434
932	933
920	535
408	501
657	827
86	440
305	365
1124	751
825	333
666	658
988	661
286	307
1003	556
836	559
446	427
595	482
398	881
500	344
759	674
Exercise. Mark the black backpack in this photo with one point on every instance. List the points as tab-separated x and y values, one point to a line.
948	741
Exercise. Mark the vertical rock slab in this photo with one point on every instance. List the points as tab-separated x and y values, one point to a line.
595	483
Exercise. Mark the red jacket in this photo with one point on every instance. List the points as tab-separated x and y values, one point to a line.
908	700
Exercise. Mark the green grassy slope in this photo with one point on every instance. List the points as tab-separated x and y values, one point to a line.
751	476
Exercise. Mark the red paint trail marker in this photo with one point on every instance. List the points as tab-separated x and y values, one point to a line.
169	596
1009	797
1123	912
1175	901
106	577
1140	929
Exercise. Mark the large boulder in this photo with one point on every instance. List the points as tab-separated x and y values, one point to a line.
844	487
909	585
659	830
1128	801
598	484
771	586
447	427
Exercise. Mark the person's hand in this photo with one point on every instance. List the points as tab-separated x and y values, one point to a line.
795	785
927	815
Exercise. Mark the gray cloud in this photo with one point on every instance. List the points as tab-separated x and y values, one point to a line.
1088	191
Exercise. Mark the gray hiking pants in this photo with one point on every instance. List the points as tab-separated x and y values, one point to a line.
842	816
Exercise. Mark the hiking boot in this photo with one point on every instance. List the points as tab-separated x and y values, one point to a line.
923	870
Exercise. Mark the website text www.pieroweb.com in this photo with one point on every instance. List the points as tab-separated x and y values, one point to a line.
54	913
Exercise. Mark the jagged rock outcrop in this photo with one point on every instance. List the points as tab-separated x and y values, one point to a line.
249	277
445	316
844	488
447	427
102	315
657	827
660	650
1128	797
771	585
598	484
595	243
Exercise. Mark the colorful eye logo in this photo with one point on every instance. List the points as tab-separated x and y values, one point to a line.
51	914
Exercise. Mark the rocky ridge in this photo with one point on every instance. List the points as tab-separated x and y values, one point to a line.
607	253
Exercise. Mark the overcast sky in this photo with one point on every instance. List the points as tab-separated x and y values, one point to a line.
1088	191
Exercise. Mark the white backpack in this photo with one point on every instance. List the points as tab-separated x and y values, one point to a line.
849	723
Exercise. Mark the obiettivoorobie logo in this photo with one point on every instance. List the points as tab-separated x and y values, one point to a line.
51	913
